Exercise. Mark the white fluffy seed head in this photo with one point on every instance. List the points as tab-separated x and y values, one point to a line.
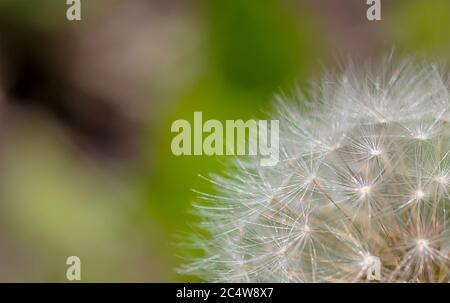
363	177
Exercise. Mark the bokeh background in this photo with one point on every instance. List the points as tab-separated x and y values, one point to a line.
86	108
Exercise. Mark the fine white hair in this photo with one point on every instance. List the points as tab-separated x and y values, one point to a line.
364	174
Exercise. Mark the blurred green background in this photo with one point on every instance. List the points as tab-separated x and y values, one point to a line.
86	108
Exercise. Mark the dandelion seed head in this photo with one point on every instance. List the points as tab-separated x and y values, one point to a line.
363	181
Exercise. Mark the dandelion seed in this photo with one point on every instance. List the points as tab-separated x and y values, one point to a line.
422	244
419	194
365	190
421	137
306	229
441	180
375	152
